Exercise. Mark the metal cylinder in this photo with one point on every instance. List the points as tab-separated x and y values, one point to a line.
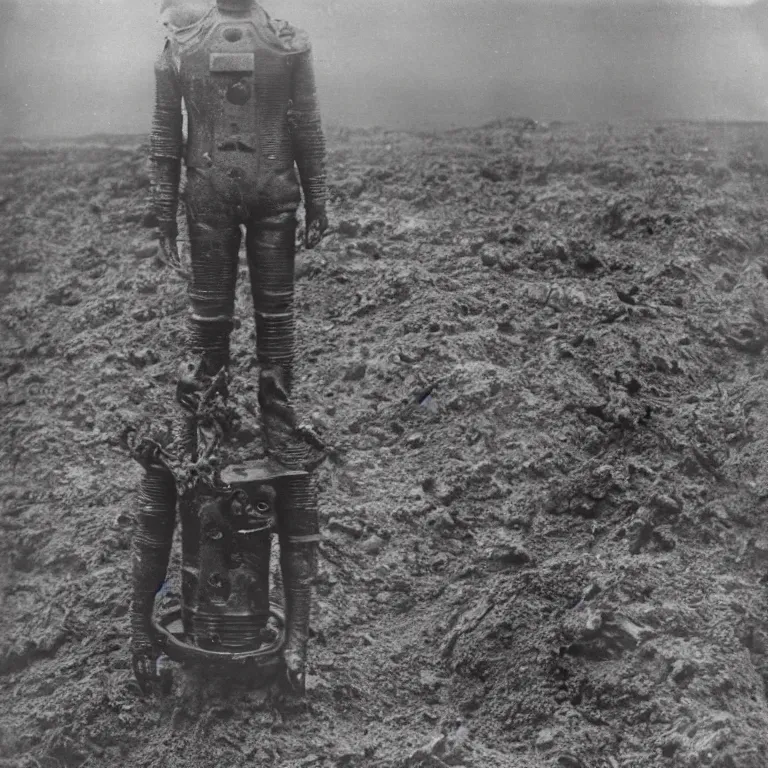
216	632
228	608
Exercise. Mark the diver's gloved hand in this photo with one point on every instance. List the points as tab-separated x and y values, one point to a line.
144	661
316	225
151	670
295	669
169	252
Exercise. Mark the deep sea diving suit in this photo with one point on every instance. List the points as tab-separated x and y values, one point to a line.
248	87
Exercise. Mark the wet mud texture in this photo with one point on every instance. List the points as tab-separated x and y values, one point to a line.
539	354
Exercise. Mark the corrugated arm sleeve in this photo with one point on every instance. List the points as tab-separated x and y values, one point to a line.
308	139
166	143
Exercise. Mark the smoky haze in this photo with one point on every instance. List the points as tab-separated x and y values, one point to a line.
85	66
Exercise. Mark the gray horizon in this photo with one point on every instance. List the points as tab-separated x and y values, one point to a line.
72	68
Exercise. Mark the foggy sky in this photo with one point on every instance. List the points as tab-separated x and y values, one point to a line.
85	66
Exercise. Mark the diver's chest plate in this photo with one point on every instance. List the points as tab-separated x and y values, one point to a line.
238	89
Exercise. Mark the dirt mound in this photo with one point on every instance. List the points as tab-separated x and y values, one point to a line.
538	352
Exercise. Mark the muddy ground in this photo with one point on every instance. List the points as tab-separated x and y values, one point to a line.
539	354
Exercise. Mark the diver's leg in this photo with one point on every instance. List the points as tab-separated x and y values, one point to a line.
271	246
214	238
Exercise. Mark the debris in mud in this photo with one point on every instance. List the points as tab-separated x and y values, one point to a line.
749	343
372	545
356	372
446	749
441	521
65	296
143	357
545	740
416	440
145	250
348	228
666	505
597	634
508	555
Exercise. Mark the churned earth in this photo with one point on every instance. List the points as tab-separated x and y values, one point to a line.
538	352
